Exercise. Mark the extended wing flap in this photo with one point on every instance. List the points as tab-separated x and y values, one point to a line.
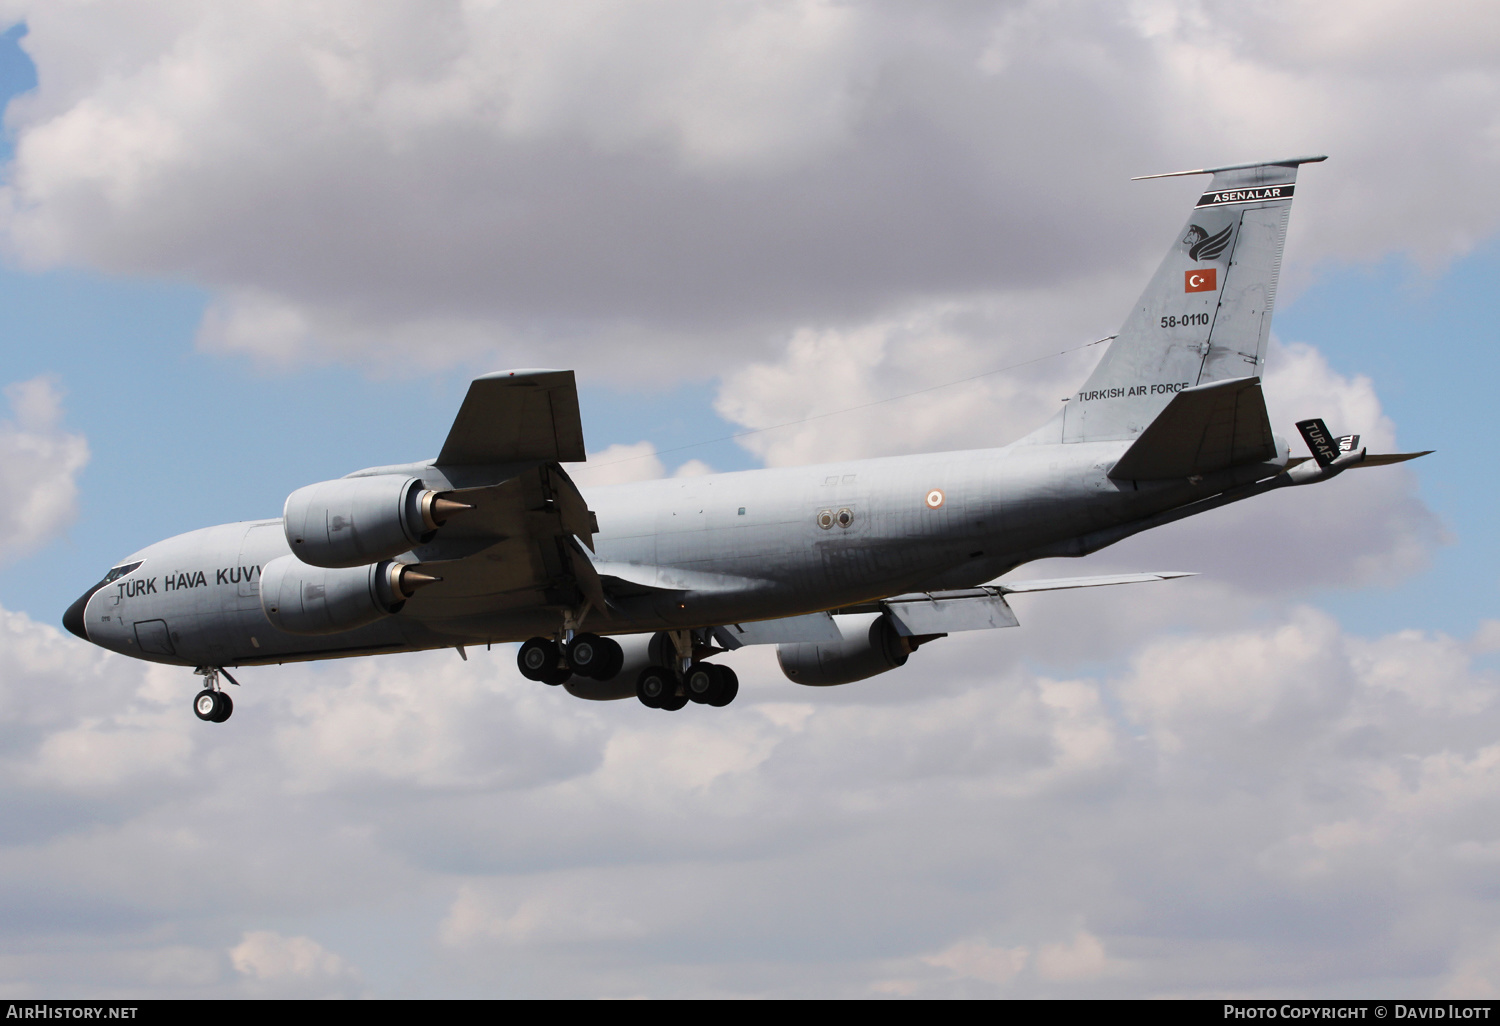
587	577
1203	429
647	577
978	609
949	612
518	546
790	630
573	512
515	416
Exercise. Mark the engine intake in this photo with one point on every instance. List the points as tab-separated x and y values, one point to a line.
302	599
873	646
359	520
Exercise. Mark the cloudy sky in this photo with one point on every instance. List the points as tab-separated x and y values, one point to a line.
247	247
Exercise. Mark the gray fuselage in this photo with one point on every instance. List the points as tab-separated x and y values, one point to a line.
692	552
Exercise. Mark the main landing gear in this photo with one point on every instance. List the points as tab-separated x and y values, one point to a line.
212	704
704	683
587	655
678	675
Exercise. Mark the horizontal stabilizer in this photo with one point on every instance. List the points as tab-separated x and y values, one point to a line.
1384	459
516	416
1253	165
1203	429
1373	459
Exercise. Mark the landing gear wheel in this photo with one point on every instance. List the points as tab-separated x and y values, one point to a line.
616	660
673	701
206	705
538	660
226	707
726	686
654	684
596	657
699	682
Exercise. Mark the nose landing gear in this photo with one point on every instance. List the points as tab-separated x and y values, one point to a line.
212	704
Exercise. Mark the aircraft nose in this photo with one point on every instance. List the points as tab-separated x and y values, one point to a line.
73	618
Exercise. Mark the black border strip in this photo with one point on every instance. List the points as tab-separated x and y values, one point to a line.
1258	194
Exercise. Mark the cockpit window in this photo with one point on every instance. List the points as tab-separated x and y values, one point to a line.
121	571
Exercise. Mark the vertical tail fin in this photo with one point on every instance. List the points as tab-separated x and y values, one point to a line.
1207	312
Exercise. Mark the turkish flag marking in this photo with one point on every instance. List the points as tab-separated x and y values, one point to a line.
1203	280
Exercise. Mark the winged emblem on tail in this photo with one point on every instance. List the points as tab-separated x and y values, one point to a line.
1205	246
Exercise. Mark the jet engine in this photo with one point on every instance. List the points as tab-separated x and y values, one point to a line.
358	520
302	599
872	646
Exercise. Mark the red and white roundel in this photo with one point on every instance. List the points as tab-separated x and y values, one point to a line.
935	498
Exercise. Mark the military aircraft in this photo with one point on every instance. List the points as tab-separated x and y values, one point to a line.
634	589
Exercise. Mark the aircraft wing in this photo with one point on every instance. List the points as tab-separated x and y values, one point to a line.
630	579
510	416
522	543
977	609
1065	583
947	612
788	630
520	546
924	613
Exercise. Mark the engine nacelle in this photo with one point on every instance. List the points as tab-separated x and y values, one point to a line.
359	520
302	599
872	647
638	655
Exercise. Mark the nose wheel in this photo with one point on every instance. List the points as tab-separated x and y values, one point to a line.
213	706
211	703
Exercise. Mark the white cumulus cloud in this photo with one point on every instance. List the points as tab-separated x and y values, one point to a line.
39	465
661	189
291	966
1197	787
